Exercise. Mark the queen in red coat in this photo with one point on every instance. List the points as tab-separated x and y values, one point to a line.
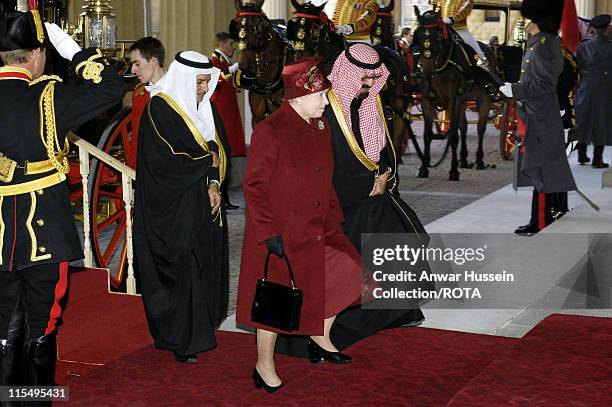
292	208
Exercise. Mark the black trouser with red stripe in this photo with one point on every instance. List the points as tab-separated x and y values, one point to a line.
38	290
30	307
546	207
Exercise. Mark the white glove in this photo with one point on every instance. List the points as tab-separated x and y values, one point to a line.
233	68
344	29
63	43
448	21
506	89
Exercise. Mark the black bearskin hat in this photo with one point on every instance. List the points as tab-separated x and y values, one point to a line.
546	14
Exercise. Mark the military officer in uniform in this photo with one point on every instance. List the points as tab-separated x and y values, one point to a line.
354	19
593	96
541	160
38	236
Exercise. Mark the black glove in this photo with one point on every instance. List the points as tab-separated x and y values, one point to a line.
275	246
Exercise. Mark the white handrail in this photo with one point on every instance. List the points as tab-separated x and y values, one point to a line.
127	176
102	156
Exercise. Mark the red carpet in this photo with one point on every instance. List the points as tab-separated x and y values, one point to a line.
98	327
564	361
402	367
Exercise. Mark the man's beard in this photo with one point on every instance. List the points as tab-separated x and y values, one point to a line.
363	93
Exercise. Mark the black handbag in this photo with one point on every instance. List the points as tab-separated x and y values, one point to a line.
276	305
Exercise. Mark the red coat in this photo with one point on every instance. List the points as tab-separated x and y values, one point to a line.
226	103
288	191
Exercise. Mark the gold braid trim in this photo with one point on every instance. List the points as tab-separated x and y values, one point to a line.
348	134
48	130
192	127
46	78
222	158
40	34
91	70
166	141
389	140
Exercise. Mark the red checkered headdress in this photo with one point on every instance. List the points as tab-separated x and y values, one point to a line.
361	60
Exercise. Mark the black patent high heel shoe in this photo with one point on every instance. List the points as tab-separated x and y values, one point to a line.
317	354
259	383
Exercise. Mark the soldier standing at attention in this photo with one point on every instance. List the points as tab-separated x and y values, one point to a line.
38	236
594	93
226	102
541	161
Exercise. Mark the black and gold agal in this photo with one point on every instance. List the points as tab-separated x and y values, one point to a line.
22	31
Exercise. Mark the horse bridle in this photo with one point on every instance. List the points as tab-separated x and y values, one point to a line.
442	33
261	64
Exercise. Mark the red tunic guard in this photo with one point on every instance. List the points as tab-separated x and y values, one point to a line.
226	102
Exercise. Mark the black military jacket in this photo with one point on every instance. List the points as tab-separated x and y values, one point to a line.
543	164
36	220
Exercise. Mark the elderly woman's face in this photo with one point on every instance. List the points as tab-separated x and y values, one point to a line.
314	104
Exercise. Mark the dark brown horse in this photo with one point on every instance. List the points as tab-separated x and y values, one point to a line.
310	33
448	78
400	86
261	58
383	29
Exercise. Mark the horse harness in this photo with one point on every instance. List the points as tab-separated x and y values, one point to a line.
262	64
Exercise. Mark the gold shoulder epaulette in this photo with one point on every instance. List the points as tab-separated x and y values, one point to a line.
46	78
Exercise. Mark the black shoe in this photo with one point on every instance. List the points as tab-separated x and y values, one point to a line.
317	354
229	206
185	358
40	357
583	160
600	164
259	383
527	230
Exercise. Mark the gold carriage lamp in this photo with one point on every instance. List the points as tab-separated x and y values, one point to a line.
99	26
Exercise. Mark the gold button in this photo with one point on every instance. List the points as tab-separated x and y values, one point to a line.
528	61
531	49
522	71
40	192
40	222
42	249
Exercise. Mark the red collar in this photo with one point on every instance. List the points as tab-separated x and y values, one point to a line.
13	72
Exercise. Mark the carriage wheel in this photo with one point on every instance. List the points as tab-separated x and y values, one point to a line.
107	209
507	130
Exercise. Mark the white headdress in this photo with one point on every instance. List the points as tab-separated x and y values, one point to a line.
180	84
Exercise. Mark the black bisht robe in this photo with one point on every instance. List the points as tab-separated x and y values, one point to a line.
386	213
181	249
